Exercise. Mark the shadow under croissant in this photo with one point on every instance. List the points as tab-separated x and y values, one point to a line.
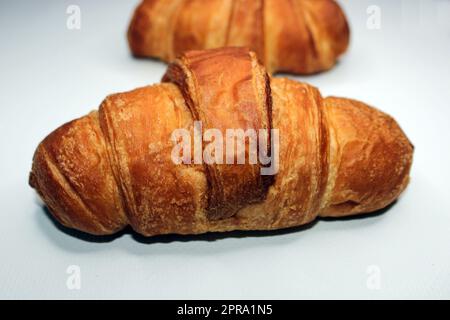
212	236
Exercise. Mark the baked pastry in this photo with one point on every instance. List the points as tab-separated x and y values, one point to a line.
115	167
295	36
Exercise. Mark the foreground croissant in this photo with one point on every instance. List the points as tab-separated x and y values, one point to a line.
297	36
111	168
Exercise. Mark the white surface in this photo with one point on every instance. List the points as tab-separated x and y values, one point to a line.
49	75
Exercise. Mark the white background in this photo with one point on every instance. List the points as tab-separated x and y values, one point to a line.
49	75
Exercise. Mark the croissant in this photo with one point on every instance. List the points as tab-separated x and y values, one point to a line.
115	167
295	36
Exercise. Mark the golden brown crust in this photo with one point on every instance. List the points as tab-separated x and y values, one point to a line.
297	36
72	173
226	98
337	156
138	126
371	158
246	26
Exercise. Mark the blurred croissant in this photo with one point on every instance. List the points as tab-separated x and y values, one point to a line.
113	168
295	36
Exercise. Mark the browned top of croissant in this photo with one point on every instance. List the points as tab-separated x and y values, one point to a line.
113	167
297	36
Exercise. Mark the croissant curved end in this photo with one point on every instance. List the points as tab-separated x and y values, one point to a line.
373	158
72	175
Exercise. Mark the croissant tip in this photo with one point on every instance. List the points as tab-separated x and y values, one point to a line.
32	180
